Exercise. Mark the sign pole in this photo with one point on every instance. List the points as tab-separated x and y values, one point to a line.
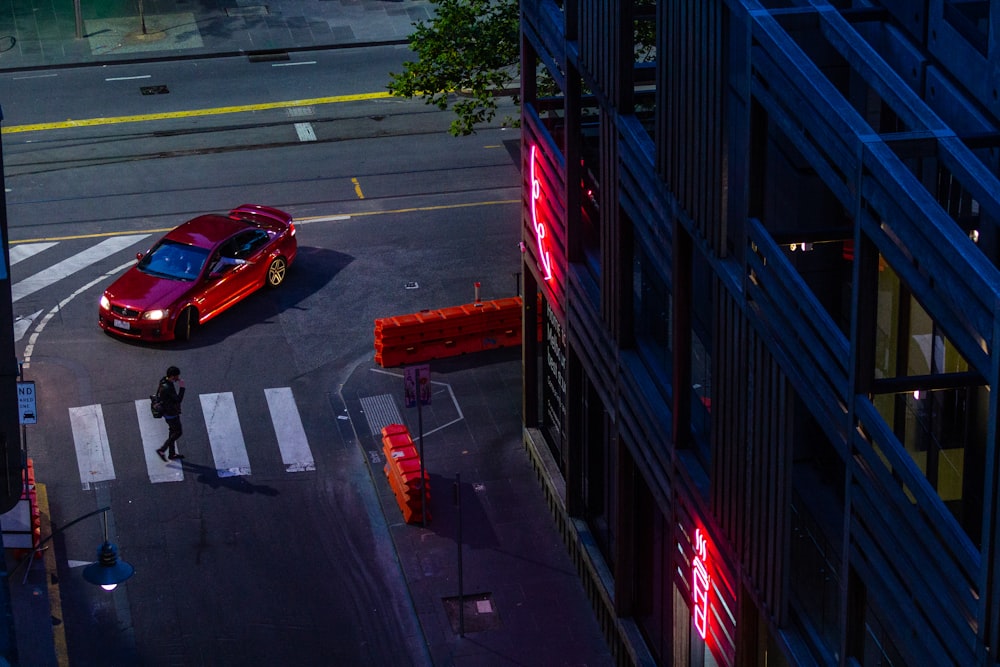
420	431
24	435
416	392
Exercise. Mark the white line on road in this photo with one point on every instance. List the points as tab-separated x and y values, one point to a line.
29	349
304	62
90	437
71	265
225	435
305	131
153	432
128	78
22	324
292	442
21	252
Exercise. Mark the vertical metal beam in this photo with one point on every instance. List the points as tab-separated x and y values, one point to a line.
11	462
989	599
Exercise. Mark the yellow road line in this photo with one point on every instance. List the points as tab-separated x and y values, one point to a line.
191	113
298	221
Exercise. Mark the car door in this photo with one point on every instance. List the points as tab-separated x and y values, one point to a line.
227	279
254	249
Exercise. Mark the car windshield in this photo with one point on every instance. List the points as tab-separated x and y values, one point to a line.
176	261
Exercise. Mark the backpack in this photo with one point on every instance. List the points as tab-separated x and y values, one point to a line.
156	404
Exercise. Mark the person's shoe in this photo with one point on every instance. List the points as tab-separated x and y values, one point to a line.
162	455
176	456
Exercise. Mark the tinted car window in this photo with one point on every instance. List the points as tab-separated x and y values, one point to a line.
178	261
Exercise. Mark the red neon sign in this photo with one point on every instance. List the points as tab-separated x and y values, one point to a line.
544	256
700	583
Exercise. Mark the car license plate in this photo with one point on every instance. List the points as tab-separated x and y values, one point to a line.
122	325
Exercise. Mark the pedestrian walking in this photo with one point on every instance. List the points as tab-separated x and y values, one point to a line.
171	393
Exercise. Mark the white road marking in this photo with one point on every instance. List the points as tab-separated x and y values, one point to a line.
154	432
71	265
90	437
22	324
305	131
23	251
30	347
128	78
380	411
304	62
292	442
225	435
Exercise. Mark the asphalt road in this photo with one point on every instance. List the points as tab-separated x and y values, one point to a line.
394	216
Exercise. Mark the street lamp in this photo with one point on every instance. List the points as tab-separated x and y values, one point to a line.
107	572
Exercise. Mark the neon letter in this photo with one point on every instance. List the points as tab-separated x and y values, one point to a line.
536	193
700	583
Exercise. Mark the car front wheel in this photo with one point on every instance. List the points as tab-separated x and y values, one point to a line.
276	272
187	320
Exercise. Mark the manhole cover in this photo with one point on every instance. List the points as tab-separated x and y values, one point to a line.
154	90
478	613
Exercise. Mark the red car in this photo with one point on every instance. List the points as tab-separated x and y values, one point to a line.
197	271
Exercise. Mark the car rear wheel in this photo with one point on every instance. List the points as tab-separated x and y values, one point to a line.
276	272
186	322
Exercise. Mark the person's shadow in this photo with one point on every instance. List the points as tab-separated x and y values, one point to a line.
210	476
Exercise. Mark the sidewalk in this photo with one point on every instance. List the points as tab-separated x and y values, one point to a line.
523	603
44	33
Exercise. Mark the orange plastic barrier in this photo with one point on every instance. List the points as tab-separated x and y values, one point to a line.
448	332
30	494
402	469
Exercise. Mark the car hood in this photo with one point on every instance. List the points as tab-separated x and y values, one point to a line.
142	291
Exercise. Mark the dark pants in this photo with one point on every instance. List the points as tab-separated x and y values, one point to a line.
175	432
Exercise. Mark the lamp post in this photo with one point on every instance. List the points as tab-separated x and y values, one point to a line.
107	571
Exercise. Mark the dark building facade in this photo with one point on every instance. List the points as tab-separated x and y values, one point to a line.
764	235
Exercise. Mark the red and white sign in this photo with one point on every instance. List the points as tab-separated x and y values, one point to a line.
701	583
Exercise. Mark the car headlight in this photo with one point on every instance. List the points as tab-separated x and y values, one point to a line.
155	314
105	303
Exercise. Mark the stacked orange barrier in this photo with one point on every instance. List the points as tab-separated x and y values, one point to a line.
448	332
29	493
402	469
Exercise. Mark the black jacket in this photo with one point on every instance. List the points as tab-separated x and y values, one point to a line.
170	397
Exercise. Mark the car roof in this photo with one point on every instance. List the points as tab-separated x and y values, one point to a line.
206	231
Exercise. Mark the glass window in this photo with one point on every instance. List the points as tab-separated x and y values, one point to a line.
702	316
652	316
925	393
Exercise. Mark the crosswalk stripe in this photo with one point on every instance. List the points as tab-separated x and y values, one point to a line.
90	437
154	432
21	252
71	265
292	442
225	435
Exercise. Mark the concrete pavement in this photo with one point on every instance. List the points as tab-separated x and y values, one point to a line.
64	33
522	603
